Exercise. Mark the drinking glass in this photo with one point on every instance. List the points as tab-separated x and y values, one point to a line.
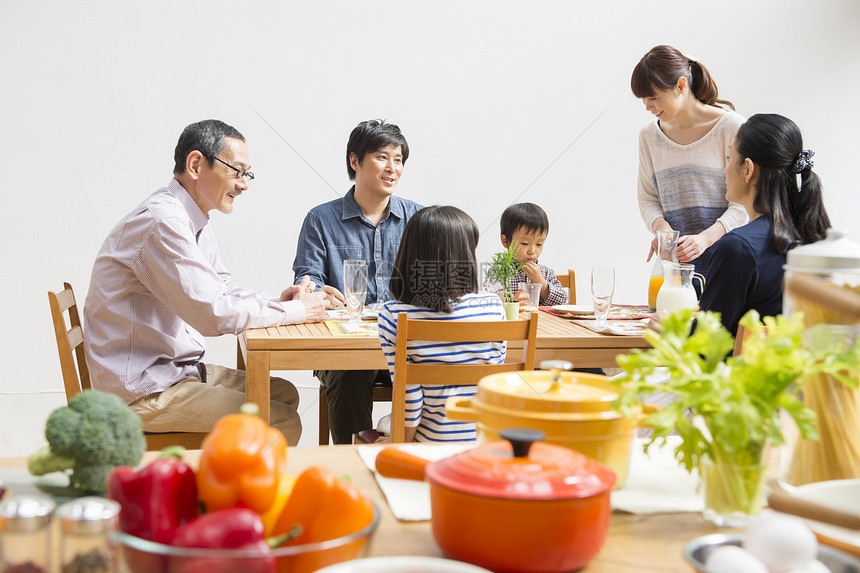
355	286
602	289
533	290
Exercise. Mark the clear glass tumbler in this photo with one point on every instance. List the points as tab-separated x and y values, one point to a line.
602	289
355	286
533	290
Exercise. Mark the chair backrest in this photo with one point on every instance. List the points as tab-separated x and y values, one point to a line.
740	338
76	377
443	374
70	341
569	281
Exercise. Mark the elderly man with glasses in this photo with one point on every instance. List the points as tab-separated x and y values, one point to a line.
158	287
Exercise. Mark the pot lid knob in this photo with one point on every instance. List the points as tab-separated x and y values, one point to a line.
555	367
521	440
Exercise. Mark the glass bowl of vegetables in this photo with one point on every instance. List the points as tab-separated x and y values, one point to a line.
253	554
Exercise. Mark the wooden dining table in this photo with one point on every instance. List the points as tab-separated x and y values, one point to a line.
635	543
314	347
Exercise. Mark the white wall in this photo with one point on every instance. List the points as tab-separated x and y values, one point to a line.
500	101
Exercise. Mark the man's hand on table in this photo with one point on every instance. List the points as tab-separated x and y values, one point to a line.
315	302
333	297
315	305
289	293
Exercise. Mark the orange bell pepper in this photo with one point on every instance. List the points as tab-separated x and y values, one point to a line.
242	462
325	506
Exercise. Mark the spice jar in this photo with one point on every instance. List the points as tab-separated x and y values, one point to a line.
25	534
88	527
835	261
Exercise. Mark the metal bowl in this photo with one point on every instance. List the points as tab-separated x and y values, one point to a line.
698	550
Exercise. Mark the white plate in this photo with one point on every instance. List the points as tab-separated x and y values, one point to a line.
841	494
402	565
574	308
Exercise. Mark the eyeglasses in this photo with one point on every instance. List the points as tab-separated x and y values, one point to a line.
240	173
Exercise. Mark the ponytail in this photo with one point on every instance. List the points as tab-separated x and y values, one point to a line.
705	88
808	204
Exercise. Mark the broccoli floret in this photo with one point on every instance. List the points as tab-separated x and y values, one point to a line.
93	434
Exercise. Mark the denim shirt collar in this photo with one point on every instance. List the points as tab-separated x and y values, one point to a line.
351	209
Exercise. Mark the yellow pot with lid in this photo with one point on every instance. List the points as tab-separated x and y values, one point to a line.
573	409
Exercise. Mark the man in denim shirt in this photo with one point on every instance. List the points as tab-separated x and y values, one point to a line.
367	224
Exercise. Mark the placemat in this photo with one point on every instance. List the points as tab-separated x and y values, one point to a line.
341	313
617	328
348	328
409	500
616	312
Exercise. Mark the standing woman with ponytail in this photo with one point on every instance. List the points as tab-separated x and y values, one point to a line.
682	154
770	174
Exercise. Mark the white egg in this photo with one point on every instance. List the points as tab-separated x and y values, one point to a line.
733	559
782	542
813	566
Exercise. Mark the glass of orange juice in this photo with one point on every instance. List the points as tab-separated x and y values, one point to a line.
666	243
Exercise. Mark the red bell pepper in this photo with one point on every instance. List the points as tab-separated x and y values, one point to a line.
156	499
231	528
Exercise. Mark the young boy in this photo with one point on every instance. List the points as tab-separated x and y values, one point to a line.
526	225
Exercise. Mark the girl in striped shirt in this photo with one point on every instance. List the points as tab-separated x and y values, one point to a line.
435	277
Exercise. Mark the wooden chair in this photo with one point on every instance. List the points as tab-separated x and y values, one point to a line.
76	375
569	281
443	374
381	393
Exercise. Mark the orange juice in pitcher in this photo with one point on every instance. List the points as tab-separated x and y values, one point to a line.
654	285
666	243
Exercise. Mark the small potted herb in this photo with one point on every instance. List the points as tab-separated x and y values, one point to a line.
727	411
503	267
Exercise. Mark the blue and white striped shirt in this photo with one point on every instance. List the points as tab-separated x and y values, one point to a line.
425	405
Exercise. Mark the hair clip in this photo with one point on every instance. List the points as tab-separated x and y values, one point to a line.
803	161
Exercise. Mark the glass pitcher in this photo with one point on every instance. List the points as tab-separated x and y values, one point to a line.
677	291
666	244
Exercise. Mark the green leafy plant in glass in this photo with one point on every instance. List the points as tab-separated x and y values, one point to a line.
727	411
504	266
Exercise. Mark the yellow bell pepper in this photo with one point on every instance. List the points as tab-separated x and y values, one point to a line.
270	518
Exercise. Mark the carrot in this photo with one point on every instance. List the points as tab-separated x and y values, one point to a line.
395	463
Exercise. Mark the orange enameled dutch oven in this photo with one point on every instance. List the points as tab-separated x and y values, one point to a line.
516	505
573	409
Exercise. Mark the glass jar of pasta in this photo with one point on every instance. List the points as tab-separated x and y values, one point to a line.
822	280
